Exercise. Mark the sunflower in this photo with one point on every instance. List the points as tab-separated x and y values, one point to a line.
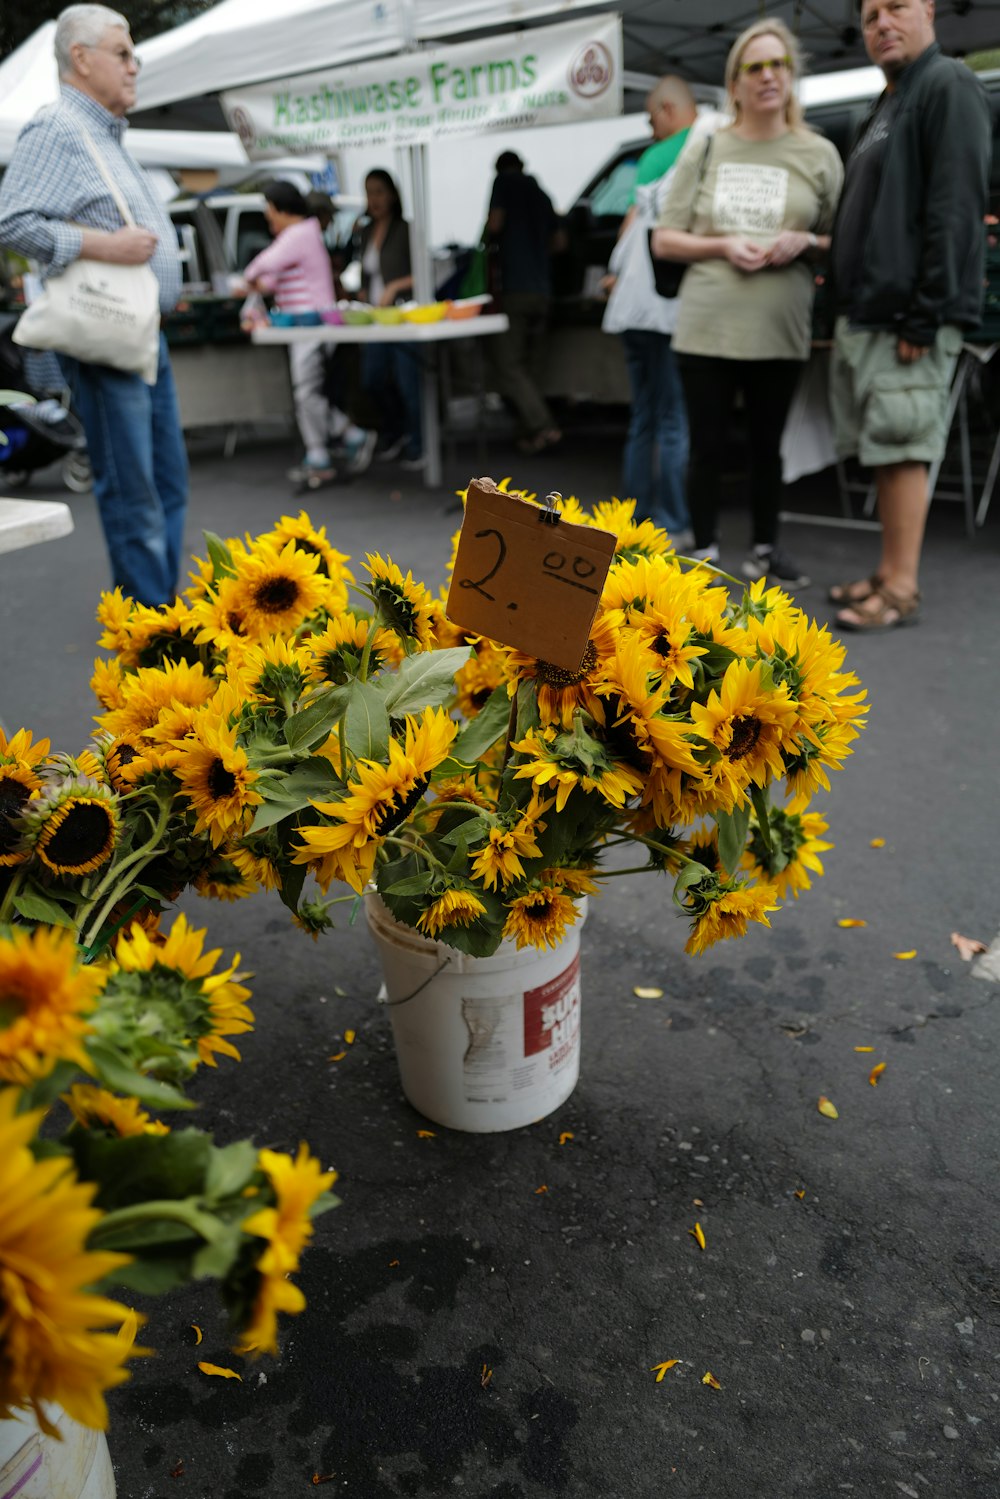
164	633
92	1106
114	614
453	908
17	787
500	858
216	778
554	761
632	538
403	605
796	841
297	1186
220	616
214	1002
219	879
73	826
107	684
540	917
149	691
310	538
271	671
277	588
728	910
45	996
257	860
746	722
479	677
560	693
125	759
52	1351
576	880
334	655
379	800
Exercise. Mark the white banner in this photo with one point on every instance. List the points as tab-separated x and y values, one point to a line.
554	75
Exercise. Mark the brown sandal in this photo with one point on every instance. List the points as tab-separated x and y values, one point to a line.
903	611
854	593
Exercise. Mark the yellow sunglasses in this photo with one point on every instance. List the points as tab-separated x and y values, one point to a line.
776	64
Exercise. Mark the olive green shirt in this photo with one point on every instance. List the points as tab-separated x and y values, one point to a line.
754	189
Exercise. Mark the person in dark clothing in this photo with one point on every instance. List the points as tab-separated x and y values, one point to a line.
907	265
525	228
390	372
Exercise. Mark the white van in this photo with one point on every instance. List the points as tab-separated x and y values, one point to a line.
220	234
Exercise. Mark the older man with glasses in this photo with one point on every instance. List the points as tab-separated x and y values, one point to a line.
56	207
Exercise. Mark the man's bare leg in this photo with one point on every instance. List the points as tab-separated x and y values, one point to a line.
902	510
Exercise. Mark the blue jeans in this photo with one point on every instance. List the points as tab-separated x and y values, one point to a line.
392	373
137	453
656	448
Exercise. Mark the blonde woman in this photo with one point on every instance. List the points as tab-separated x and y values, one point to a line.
750	214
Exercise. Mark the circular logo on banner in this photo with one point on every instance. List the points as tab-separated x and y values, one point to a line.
243	125
591	70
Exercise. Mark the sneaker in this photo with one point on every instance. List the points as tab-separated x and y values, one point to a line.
414	465
306	470
358	455
705	554
773	563
391	451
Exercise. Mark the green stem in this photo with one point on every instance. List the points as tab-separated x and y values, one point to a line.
7	906
660	848
122	1219
415	845
710	567
366	654
609	874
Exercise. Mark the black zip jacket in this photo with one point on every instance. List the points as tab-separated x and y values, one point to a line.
925	249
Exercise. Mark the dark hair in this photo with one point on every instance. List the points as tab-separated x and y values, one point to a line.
509	161
286	198
380	175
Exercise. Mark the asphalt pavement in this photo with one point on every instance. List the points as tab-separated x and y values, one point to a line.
468	1333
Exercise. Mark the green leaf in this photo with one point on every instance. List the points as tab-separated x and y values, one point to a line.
528	716
293	877
367	722
732	836
115	1073
150	1277
468	832
690	875
424	680
217	1258
230	1168
147	1177
761	806
312	724
416	884
220	557
313	780
489	725
35	907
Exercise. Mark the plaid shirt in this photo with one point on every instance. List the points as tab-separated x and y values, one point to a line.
53	184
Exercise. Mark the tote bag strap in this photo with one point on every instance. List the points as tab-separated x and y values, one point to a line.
101	165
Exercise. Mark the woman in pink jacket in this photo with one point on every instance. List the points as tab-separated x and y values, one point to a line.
296	269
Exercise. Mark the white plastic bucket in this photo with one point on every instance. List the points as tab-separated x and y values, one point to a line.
483	1044
34	1466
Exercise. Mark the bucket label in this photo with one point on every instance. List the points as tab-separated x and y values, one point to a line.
552	1017
493	1044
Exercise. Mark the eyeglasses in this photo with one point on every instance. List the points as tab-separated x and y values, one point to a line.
126	57
776	64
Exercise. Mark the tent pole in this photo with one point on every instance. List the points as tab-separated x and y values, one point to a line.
423	291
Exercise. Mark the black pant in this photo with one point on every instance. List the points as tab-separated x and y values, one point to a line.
710	387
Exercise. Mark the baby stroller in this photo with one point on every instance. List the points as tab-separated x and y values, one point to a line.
37	427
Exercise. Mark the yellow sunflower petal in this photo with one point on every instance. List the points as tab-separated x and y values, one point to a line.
709	1378
851	921
219	1372
877	843
904	957
660	1369
876	1073
826	1107
643	992
697	1233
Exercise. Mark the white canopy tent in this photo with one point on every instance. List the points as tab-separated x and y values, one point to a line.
28	81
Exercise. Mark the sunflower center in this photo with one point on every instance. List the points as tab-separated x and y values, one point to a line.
85	833
746	732
235	622
558	676
396	813
539	910
662	646
276	595
13	799
220	781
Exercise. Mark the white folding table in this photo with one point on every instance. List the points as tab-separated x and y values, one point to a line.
447	330
25	522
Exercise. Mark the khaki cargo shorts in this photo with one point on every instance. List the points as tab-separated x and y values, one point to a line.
884	411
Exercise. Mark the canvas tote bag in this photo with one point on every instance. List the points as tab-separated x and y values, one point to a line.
98	312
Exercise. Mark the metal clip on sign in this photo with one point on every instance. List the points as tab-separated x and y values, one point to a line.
550	514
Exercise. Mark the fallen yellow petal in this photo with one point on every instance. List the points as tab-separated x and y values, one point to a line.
851	921
698	1236
426	1134
197	1333
393	1264
541	1189
349	1037
338	1058
827	1108
486	1376
904	956
660	1369
709	1378
876	1073
697	1202
801	1194
641	992
864	1048
220	1372
567	1134
877	843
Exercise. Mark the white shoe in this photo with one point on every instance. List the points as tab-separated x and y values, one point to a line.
414	465
358	455
391	451
705	554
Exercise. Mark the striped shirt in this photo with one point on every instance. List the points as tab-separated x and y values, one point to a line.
296	267
52	187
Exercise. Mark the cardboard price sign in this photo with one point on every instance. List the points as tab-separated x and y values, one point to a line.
526	577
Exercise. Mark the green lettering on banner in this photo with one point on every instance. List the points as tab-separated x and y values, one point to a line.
282	112
413	92
439	78
475	73
528	70
502	76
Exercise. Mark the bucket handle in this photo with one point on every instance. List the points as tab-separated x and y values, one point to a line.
407	997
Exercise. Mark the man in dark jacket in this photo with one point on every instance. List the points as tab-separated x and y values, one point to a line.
907	264
526	229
